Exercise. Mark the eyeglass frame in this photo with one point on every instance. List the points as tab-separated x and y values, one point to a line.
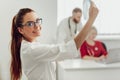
38	21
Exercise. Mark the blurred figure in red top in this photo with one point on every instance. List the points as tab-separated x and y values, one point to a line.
92	49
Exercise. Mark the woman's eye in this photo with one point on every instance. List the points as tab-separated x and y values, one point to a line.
30	24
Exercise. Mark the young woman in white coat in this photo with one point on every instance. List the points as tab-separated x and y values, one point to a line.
34	58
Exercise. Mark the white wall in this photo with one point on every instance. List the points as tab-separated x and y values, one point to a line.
8	8
111	43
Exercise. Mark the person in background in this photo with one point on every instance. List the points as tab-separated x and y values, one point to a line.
68	27
33	57
92	49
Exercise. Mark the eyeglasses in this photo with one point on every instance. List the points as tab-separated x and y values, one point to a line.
32	23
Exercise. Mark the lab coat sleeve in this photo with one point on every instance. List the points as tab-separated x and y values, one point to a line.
39	52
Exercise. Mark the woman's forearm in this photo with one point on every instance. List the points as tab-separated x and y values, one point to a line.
93	58
83	33
93	12
90	58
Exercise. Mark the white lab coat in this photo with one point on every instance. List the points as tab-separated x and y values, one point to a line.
63	33
37	58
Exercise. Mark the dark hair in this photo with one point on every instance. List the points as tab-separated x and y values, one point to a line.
15	68
75	10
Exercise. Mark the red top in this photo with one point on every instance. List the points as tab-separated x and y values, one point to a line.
96	50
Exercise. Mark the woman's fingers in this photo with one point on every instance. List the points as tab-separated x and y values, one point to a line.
93	11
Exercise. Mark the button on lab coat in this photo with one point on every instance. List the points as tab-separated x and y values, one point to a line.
37	58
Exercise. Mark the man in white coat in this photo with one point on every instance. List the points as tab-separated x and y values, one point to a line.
68	27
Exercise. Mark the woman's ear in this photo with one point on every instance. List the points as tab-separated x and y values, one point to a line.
20	30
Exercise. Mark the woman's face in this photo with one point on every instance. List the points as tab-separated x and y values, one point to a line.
31	26
92	34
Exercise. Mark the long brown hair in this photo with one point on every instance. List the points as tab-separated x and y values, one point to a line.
16	67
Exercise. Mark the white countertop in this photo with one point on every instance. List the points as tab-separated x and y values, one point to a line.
85	64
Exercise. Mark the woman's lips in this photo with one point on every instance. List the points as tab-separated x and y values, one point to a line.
36	31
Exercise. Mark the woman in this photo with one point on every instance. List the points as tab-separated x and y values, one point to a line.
92	49
33	57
